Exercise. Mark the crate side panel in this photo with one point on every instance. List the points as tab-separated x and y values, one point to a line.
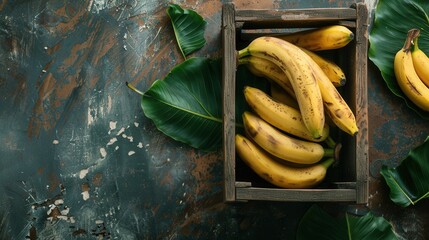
228	88
362	104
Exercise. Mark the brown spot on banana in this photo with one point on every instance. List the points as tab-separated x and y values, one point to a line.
412	87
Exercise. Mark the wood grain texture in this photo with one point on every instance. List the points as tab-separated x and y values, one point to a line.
228	89
353	164
362	143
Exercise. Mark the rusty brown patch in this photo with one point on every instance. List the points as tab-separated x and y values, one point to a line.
97	179
203	166
255	4
72	20
167	179
54	181
85	187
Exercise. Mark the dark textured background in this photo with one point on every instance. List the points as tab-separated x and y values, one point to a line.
78	159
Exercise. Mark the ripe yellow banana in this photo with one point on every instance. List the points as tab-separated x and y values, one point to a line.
331	69
264	68
406	75
292	61
278	174
323	38
281	145
421	62
282	96
279	115
335	106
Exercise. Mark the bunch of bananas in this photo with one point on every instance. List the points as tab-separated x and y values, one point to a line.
285	132
411	67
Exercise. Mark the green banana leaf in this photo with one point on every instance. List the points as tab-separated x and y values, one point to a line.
189	28
187	104
409	182
317	224
392	20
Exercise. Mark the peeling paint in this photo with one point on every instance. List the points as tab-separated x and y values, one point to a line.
112	126
83	173
112	141
103	152
85	195
120	131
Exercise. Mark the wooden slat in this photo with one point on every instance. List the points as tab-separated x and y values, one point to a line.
228	101
362	185
268	18
294	195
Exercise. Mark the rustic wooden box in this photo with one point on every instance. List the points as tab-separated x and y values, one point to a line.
348	181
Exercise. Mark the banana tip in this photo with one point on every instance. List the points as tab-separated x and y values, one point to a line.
337	151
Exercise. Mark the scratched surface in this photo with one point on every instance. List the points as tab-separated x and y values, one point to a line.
78	159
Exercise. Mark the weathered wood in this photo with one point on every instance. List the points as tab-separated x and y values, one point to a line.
228	93
362	161
351	177
262	19
298	195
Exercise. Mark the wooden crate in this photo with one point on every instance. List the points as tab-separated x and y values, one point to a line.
348	181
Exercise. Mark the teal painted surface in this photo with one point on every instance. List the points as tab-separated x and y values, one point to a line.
78	159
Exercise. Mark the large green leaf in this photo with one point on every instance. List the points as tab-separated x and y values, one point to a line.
392	20
189	28
317	224
187	104
409	182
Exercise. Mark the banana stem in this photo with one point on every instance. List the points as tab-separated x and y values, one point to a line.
134	89
329	152
243	53
330	142
415	41
244	60
411	35
328	162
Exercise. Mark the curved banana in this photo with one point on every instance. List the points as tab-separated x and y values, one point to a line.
331	69
421	62
264	68
292	61
281	145
406	75
335	106
323	38
282	96
278	174
281	116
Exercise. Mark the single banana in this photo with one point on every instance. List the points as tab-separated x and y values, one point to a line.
279	174
279	115
421	62
331	69
323	38
406	75
282	96
281	145
335	106
292	61
264	68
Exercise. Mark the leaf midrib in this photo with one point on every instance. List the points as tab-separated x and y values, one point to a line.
208	117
